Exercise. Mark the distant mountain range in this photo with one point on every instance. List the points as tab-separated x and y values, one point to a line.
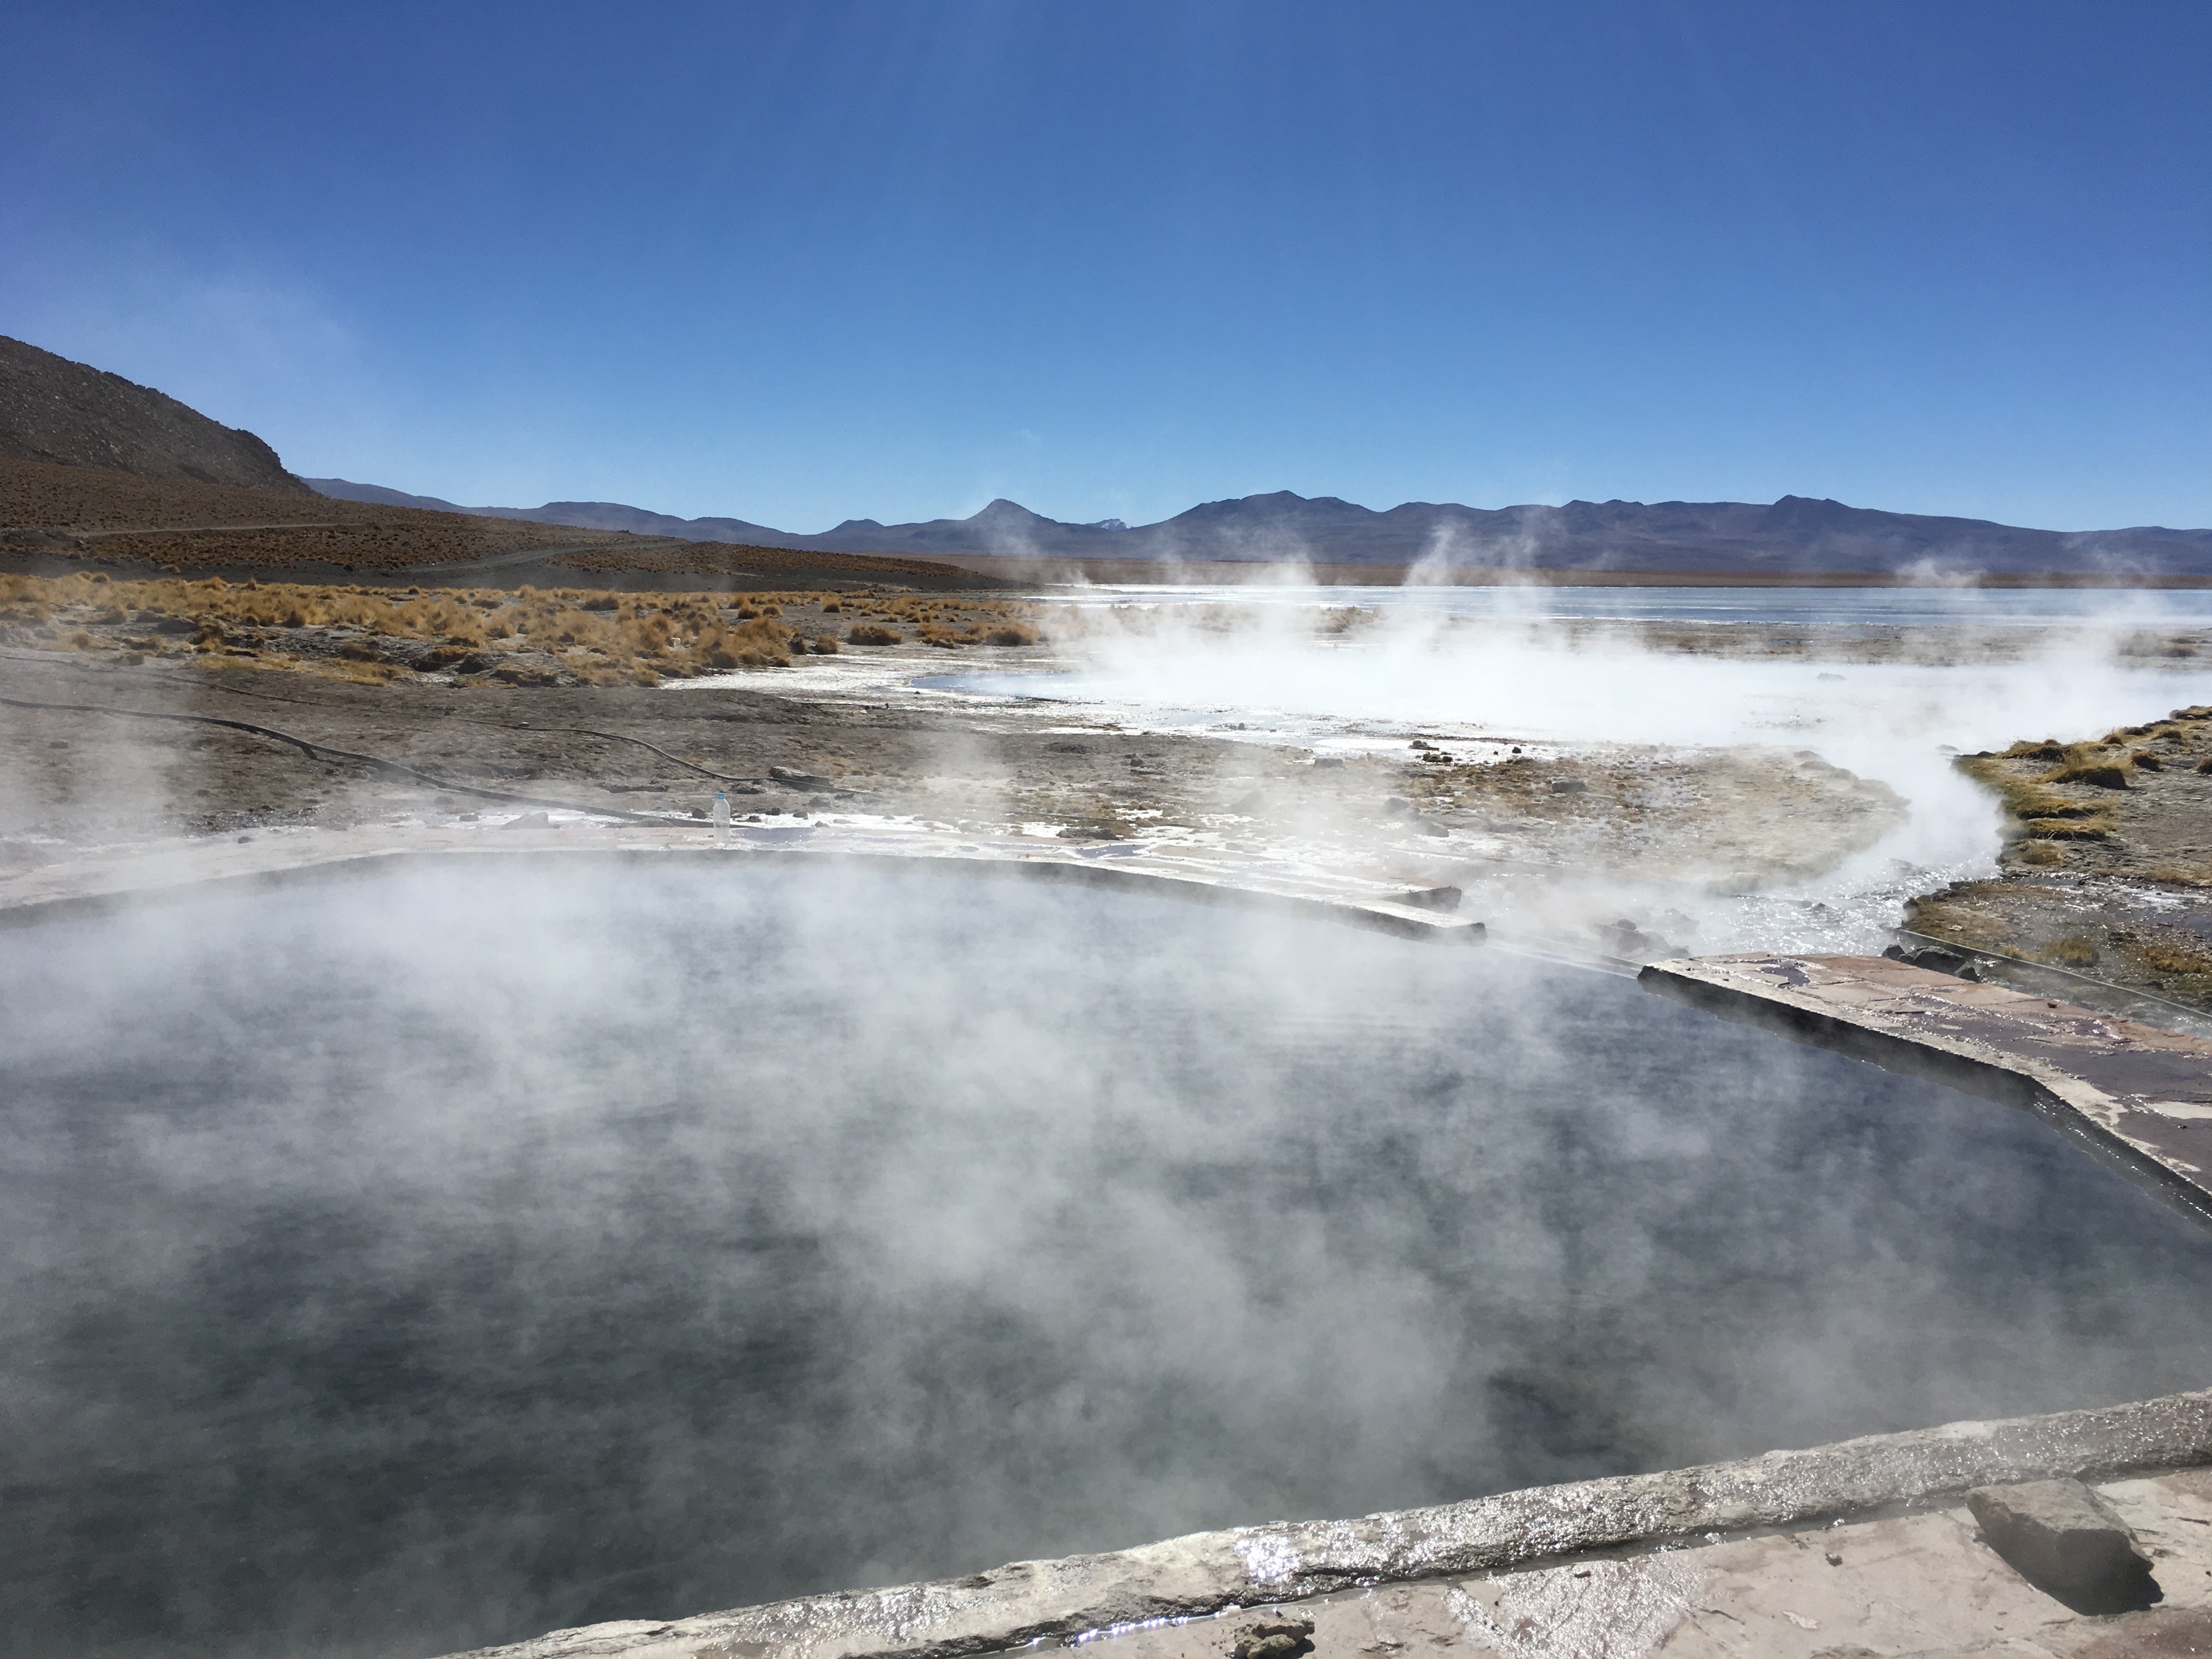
1795	535
55	410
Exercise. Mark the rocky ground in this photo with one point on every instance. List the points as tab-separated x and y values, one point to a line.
433	705
350	740
2107	875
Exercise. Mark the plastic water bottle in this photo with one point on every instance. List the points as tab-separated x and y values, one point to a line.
721	811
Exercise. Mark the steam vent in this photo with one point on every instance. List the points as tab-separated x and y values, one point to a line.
698	1219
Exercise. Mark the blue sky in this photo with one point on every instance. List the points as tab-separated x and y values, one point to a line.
888	260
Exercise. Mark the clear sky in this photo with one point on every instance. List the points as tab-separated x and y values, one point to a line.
820	259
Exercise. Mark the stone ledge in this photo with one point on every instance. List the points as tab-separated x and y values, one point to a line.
1206	1573
2137	1097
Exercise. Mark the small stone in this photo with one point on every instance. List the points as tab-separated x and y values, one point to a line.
2060	1536
1274	1638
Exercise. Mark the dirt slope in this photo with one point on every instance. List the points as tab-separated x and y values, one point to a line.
73	414
54	518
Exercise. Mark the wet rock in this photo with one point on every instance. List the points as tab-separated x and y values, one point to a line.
1941	962
2060	1536
1433	898
1274	1638
792	778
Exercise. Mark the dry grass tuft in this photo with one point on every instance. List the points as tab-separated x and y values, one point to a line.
2039	813
2075	952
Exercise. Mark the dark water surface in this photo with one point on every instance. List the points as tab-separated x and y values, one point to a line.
392	1268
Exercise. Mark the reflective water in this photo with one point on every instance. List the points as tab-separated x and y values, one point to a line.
392	1268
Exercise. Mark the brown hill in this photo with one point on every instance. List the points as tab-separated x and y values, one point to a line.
53	517
73	414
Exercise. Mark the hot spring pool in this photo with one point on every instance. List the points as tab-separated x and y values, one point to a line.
396	1267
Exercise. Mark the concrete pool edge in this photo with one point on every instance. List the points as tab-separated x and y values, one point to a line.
2113	1088
1029	1603
2137	1097
99	887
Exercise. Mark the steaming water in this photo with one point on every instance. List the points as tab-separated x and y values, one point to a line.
2023	664
393	1268
1896	607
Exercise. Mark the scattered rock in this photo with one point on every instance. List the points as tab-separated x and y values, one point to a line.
1274	1638
2060	1536
1569	786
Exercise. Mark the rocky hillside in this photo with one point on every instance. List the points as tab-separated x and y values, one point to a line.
55	410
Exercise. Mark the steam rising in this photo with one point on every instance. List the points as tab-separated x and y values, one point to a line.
402	1267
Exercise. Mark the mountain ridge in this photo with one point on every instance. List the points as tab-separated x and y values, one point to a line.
1795	535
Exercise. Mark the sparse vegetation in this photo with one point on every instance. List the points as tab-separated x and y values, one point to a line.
528	637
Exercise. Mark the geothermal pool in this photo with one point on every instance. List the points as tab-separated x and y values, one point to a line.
396	1265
